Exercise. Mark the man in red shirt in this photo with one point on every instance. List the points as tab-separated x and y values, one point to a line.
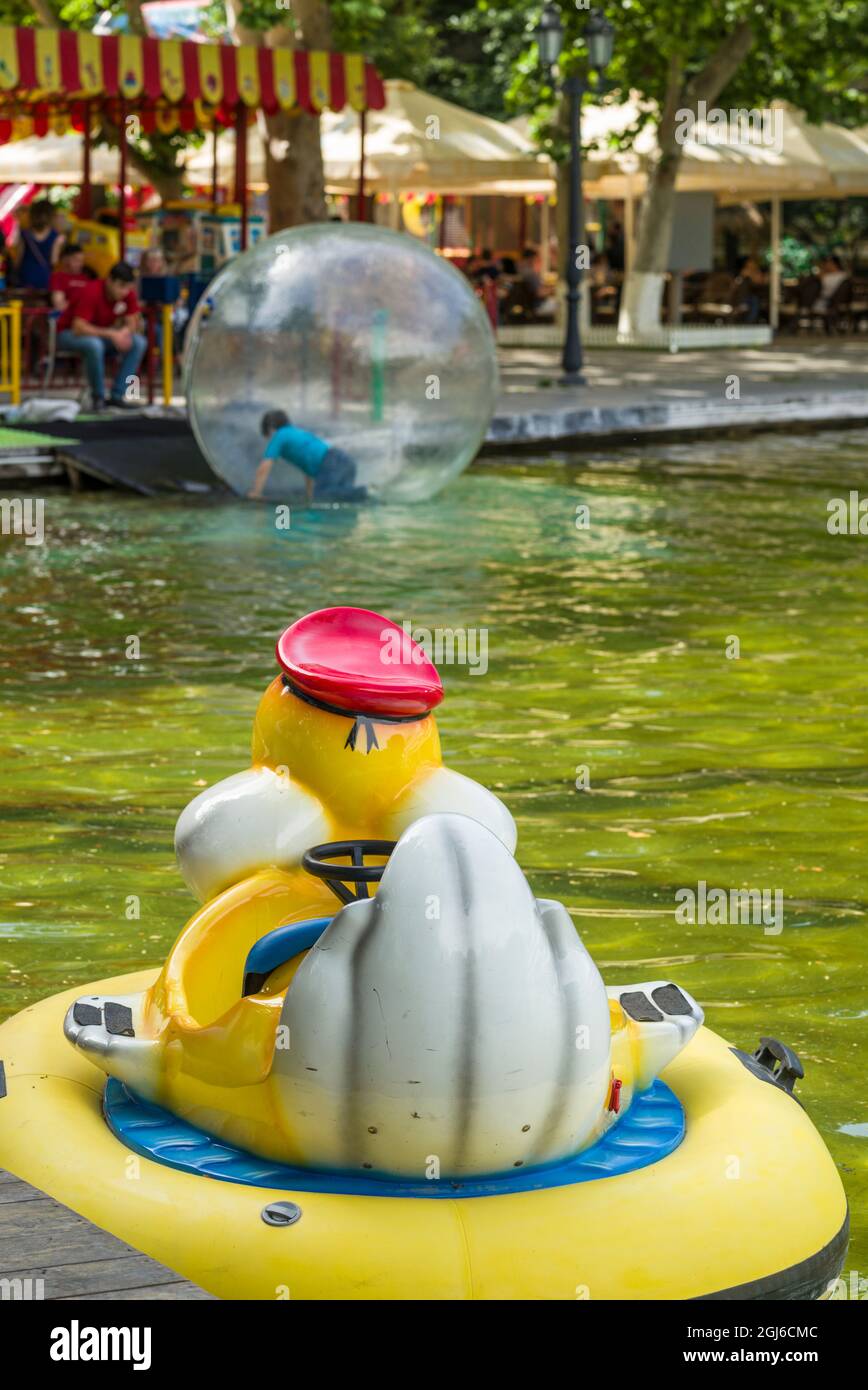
103	319
67	283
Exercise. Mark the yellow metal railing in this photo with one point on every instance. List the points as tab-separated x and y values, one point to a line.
10	350
168	353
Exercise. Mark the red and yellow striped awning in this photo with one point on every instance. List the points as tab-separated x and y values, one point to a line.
56	70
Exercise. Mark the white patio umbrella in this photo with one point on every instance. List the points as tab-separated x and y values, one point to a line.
777	152
59	159
417	143
782	155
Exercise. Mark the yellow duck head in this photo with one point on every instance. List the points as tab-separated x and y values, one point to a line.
349	718
344	746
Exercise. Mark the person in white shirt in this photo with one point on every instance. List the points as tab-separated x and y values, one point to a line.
832	275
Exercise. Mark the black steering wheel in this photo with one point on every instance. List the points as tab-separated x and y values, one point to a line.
318	861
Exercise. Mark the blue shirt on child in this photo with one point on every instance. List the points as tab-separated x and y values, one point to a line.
300	447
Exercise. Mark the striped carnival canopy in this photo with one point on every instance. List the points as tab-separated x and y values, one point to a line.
57	79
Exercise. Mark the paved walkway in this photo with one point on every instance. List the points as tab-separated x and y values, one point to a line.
631	393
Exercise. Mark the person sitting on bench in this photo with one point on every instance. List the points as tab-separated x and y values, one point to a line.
104	318
70	279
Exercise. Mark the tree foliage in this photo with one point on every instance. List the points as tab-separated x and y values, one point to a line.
810	54
482	55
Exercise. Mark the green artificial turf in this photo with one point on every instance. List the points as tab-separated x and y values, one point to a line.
29	439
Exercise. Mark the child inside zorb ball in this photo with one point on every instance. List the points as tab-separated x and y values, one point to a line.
329	472
366	361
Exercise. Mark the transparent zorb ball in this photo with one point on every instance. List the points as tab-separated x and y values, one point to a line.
363	337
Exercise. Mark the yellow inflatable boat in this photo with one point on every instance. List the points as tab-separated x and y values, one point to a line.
748	1205
379	1067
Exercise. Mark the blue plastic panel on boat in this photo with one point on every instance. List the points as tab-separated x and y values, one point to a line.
278	946
651	1129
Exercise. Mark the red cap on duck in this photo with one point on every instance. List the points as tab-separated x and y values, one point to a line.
357	661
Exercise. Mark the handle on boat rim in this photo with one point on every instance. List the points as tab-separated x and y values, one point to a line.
789	1069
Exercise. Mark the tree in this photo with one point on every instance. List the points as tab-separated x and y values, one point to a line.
292	145
677	54
293	156
462	53
154	156
462	56
399	36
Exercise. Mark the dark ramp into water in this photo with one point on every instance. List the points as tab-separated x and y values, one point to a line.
136	452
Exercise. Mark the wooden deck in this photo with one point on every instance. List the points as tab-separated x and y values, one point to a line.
42	1240
151	455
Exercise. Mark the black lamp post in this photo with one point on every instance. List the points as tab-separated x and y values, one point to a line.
599	39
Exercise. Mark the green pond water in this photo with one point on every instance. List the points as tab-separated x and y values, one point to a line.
606	650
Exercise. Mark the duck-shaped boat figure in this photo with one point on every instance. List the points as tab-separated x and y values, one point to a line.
452	1019
377	1066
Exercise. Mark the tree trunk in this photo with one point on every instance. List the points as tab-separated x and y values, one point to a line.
133	11
293	154
643	289
294	169
168	183
44	13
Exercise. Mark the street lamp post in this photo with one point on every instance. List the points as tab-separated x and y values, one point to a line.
599	37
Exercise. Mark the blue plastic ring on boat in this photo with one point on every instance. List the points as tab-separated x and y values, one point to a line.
651	1129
